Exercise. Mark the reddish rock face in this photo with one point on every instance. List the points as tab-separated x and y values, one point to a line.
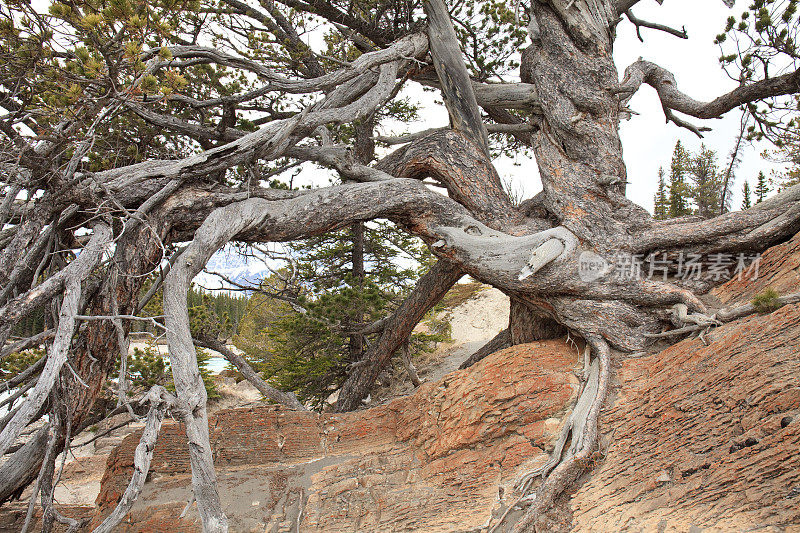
779	268
695	438
707	437
438	460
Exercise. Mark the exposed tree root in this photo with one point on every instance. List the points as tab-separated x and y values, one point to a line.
582	425
691	323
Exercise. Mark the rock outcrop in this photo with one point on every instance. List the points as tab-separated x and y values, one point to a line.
441	459
707	438
695	437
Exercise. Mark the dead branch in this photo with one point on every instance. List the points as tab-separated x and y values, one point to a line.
284	398
160	401
500	341
453	76
639	23
72	279
663	81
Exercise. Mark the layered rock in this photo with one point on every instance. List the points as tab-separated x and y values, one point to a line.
694	438
707	438
442	459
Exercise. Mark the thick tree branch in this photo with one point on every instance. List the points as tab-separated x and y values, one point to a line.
428	291
465	116
663	81
411	46
271	393
752	229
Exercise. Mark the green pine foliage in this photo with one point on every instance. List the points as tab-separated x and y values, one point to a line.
661	204
309	352
148	367
14	363
747	200
762	188
678	187
766	301
260	314
696	185
706	182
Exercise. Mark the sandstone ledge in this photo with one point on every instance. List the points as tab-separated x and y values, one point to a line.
441	459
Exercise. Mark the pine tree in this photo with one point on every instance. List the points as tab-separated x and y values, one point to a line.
678	188
746	200
661	200
707	182
309	353
762	188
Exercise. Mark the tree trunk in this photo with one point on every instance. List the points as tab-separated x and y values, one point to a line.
93	354
429	290
526	324
356	344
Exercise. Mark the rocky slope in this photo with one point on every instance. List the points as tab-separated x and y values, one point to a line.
695	437
441	459
708	437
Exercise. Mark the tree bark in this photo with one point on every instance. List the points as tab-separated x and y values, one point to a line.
527	324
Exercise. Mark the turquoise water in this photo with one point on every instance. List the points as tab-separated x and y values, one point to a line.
217	364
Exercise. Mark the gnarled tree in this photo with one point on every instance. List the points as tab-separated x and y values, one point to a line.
128	127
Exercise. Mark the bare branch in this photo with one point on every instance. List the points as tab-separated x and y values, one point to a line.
490	128
453	76
639	23
663	81
412	46
30	342
160	401
284	398
72	277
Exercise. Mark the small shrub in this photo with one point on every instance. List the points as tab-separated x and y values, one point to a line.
15	363
766	301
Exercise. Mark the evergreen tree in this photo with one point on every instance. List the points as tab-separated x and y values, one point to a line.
661	200
762	188
706	184
678	188
746	198
357	276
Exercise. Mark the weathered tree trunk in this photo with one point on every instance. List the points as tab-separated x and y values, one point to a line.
93	354
526	324
570	93
356	344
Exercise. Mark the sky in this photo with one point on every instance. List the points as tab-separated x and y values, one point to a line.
648	141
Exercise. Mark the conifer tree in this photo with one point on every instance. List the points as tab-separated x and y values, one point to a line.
355	280
747	202
661	200
762	188
706	182
678	188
